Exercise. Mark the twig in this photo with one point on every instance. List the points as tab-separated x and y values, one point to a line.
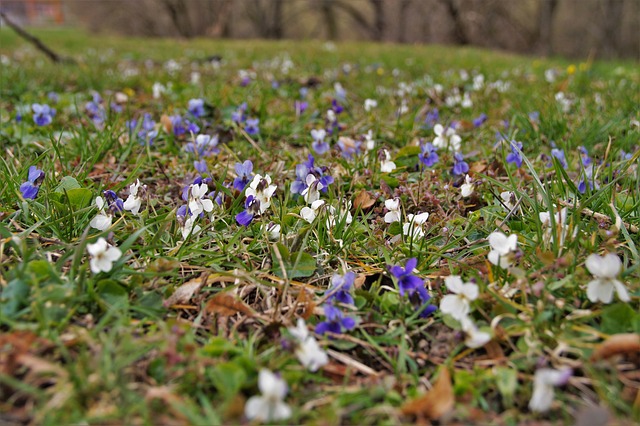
35	41
599	216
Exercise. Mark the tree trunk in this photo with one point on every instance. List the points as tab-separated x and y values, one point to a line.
459	32
379	20
612	22
402	20
545	26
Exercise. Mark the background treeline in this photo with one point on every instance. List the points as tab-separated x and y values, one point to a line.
576	28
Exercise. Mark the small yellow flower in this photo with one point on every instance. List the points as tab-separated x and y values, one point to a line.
380	71
128	91
583	66
571	69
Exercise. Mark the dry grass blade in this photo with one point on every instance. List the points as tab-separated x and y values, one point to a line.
618	344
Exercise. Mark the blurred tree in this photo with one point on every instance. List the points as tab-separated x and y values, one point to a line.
546	12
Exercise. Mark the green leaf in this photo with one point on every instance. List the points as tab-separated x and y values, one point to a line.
113	293
79	198
228	378
618	318
506	380
67	183
14	297
297	264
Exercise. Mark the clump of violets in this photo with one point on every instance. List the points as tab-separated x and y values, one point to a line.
410	285
480	120
182	125
147	132
447	139
31	187
339	292
203	146
307	168
107	208
95	110
349	147
431	118
258	193
43	114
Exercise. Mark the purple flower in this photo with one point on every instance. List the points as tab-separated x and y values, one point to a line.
196	107
479	121
42	114
300	107
407	282
428	155
203	146
244	172
95	110
251	126
341	287
115	204
252	208
304	169
31	187
584	155
559	155
53	97
335	321
534	116
460	167
201	166
432	118
336	107
515	155
239	116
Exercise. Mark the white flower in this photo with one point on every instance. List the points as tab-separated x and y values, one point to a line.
446	139
133	202
312	192
502	249
413	227
310	213
565	103
273	229
543	383
197	202
318	135
102	221
309	353
369	104
102	255
269	406
474	338
331	116
560	219
190	227
339	216
605	269
508	199
158	89
369	142
386	165
466	101
466	189
458	305
393	215
262	190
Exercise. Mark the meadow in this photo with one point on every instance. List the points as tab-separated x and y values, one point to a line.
234	232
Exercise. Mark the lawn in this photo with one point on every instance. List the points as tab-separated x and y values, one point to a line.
231	232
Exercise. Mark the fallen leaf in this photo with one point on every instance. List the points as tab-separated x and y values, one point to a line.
227	305
166	122
364	200
436	402
185	292
627	343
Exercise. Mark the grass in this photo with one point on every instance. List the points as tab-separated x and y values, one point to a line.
176	331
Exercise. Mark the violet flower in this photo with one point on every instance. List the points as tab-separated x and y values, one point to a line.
196	107
515	155
335	321
244	172
31	187
251	126
428	155
252	208
42	114
340	289
460	167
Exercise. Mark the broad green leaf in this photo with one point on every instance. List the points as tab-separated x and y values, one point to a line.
113	293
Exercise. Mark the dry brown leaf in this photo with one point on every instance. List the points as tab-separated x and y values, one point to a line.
227	305
167	124
627	343
364	200
436	402
305	302
185	292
